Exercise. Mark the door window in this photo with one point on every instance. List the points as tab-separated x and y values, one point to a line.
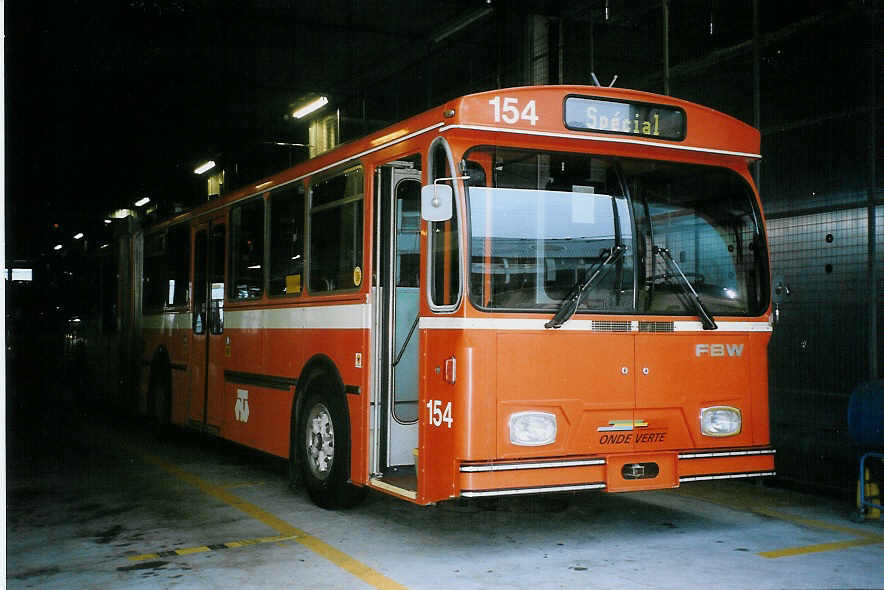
216	279
199	282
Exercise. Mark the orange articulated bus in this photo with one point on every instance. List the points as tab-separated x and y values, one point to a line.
529	290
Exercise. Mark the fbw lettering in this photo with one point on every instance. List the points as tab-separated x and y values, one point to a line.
718	350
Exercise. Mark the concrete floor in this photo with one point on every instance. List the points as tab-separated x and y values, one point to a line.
95	502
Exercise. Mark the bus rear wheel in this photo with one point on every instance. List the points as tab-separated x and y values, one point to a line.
322	440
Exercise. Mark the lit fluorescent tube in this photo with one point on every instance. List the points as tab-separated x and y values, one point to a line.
310	107
204	167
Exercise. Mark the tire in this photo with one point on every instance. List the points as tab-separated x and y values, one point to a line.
322	443
296	480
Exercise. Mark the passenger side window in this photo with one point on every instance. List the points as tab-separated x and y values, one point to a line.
286	240
336	209
247	250
178	264
154	273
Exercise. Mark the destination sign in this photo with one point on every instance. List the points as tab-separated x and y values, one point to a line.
624	118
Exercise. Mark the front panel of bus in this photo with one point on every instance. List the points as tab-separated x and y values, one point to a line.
614	326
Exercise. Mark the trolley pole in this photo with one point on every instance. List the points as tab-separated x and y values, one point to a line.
872	202
666	47
756	86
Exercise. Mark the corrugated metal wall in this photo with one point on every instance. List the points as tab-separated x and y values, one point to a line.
820	107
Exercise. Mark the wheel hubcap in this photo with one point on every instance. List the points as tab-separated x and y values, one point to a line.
320	441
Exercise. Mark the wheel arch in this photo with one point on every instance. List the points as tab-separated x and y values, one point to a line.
160	374
318	368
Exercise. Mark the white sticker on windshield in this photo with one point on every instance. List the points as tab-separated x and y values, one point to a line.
582	208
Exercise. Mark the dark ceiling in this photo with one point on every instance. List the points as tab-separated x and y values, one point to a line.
108	101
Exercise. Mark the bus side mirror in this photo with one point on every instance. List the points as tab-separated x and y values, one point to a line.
436	202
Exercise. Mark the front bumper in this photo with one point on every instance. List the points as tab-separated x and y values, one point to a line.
613	473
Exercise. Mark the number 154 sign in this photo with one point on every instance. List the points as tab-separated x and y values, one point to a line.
437	414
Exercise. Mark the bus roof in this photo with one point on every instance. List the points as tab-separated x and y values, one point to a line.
599	114
584	113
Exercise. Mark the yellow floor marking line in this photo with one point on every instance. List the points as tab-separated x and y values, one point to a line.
868	537
214	547
318	546
818	524
819	548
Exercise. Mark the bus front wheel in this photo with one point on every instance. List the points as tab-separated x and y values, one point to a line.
323	445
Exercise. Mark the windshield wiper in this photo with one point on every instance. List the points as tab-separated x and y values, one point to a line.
572	300
705	317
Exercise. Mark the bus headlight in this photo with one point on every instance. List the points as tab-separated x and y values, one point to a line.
721	421
532	429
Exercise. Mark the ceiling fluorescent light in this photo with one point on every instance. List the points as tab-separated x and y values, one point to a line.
204	167
310	107
142	202
121	213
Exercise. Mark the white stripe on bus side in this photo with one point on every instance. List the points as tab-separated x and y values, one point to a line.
449	323
359	317
329	317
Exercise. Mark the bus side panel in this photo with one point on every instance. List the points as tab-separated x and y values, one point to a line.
284	351
266	424
246	408
441	413
477	439
360	414
152	339
179	357
255	416
177	343
171	336
342	346
759	389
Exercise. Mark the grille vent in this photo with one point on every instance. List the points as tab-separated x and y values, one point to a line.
656	327
611	326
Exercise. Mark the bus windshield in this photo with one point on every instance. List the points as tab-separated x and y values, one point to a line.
542	223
